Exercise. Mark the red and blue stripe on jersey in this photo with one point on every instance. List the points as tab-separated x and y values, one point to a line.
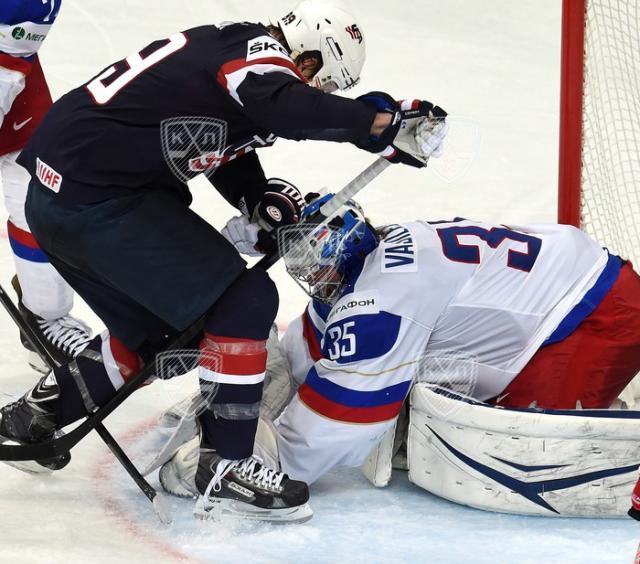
352	406
589	302
375	336
24	244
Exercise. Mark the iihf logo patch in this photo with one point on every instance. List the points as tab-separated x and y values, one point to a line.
355	33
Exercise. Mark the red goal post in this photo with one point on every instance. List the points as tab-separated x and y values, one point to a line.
571	92
599	156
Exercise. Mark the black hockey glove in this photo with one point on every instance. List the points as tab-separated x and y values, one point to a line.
281	205
416	132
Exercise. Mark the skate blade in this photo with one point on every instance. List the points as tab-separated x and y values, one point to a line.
39	365
31	466
28	466
219	509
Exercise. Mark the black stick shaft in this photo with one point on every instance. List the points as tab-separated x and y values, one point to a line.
46	356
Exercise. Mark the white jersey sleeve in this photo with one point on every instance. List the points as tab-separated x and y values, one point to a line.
24	25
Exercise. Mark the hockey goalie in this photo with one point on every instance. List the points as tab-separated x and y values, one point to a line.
514	340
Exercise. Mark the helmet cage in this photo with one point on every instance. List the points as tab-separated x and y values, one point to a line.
320	256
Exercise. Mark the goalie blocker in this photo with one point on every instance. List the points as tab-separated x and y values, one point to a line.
567	463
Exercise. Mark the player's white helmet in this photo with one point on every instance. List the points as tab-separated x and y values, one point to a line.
316	25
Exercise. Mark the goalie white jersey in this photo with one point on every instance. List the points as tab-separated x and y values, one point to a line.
459	303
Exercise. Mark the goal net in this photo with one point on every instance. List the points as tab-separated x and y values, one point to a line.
599	188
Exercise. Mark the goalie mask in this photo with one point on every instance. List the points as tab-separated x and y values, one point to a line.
324	27
320	256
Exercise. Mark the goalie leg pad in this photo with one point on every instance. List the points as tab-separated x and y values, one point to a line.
526	461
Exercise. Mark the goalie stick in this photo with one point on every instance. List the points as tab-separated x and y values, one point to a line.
65	443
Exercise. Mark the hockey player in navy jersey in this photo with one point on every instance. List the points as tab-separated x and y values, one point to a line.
45	298
109	205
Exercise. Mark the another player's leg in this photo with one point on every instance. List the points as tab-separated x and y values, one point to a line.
169	278
70	392
44	298
229	478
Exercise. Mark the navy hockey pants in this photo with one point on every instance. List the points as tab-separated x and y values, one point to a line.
149	267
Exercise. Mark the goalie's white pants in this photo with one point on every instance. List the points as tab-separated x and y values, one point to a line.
45	293
557	463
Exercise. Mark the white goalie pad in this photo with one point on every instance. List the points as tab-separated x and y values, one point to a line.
579	463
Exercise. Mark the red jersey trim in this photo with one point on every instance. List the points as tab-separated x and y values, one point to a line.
338	412
238	64
15	64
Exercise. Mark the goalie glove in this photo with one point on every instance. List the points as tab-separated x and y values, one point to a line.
416	132
280	205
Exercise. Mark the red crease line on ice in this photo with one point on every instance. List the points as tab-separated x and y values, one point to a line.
101	470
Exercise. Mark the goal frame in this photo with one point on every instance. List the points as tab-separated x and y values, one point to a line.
571	105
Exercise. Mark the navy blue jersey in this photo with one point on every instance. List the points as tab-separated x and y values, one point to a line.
198	102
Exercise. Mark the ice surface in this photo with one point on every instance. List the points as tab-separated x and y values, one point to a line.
494	66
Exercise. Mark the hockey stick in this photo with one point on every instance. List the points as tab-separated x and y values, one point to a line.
65	443
39	347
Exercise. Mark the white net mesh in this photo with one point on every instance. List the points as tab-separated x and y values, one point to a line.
610	201
610	204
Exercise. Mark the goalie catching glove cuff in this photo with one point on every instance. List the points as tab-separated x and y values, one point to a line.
280	205
416	132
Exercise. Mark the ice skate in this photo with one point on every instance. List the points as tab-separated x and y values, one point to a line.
63	337
241	488
32	419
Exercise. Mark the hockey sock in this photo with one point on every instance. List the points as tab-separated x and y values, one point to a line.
93	377
233	363
232	372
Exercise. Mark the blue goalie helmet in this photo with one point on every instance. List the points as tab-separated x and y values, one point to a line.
320	256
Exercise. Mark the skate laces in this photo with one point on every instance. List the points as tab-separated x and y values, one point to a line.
262	476
66	333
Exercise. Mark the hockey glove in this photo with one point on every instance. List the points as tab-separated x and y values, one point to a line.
281	205
243	235
416	132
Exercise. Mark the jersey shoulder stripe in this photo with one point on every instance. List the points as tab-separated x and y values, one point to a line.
232	74
254	51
